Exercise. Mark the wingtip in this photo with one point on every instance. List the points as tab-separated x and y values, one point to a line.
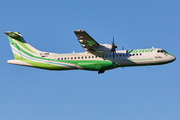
78	30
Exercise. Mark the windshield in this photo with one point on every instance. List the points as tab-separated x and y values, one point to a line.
160	51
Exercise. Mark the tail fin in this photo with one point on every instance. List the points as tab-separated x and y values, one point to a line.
19	45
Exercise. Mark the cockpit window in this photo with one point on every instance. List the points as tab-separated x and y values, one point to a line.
160	51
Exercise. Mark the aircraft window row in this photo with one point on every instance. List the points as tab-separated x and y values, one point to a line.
160	51
85	57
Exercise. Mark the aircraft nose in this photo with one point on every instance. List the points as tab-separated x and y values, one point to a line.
173	58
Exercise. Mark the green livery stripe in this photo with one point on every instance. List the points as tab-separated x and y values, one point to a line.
48	61
168	54
26	53
67	61
41	65
21	43
20	49
86	64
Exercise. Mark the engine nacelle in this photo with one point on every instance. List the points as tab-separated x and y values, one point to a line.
103	48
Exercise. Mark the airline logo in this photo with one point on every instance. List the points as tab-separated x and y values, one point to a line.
140	51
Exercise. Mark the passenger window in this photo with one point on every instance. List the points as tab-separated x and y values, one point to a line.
109	55
137	54
119	55
106	55
85	57
78	57
81	57
58	58
71	58
74	57
126	54
89	56
92	56
103	56
140	54
61	58
64	58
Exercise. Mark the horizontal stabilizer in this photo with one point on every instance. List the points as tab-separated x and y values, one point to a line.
18	62
13	34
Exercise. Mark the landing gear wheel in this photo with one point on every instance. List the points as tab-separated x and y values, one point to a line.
101	71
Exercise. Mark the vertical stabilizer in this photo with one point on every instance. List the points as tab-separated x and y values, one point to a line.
19	46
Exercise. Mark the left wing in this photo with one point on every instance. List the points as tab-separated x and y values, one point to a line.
86	41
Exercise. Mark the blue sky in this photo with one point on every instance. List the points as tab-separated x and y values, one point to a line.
133	93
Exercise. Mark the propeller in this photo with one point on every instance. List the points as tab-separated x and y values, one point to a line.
113	49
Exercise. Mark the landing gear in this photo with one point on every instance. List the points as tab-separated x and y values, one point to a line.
101	71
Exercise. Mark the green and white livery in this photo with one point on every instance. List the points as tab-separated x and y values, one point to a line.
98	57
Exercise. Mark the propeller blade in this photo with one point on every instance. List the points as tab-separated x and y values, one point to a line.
113	47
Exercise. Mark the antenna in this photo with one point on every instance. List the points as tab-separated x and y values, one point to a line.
122	47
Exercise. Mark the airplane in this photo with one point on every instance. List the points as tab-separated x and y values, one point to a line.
98	57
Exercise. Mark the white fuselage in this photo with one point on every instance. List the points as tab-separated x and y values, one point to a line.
122	57
98	57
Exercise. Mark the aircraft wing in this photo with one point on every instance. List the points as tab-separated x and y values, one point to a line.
86	41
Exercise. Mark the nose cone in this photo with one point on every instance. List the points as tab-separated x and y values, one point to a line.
173	58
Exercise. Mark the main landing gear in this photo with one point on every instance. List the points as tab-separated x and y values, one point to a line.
101	71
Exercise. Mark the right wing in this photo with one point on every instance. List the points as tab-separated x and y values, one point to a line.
86	41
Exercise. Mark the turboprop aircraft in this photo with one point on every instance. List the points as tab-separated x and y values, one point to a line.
98	57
